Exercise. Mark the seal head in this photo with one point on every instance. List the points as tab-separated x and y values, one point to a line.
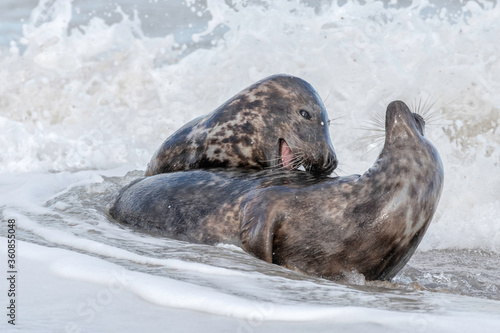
278	122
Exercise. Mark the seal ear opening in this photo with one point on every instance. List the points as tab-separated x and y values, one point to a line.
257	230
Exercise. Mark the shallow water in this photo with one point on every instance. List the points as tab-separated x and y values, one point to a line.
88	91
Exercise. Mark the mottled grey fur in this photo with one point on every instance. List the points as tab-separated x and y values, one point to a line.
370	224
246	132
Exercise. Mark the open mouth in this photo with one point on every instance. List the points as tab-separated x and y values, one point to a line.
286	155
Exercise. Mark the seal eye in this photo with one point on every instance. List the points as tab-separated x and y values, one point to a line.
305	114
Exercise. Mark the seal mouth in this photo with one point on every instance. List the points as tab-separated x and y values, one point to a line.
286	155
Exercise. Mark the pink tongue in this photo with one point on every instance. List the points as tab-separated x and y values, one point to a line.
286	155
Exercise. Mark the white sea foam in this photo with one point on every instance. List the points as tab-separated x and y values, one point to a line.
107	289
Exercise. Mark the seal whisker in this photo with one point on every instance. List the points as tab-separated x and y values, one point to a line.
378	145
307	166
433	116
413	105
431	119
338	171
372	137
428	107
423	107
378	120
273	163
437	124
275	159
376	123
331	122
296	162
368	128
299	157
328	96
377	140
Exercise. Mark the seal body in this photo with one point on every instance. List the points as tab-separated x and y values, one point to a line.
277	122
324	227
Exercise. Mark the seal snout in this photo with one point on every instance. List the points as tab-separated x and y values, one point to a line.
401	123
325	166
323	163
330	164
396	110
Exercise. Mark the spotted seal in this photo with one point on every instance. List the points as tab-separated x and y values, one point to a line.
279	121
324	227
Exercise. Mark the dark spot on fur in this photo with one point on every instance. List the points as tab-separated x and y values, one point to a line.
413	191
221	133
213	142
253	105
237	151
366	212
206	163
248	128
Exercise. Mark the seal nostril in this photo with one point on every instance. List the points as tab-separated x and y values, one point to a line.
324	165
334	163
330	163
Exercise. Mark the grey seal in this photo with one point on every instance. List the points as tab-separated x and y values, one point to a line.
278	122
370	224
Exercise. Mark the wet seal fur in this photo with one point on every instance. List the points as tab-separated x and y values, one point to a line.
279	121
324	227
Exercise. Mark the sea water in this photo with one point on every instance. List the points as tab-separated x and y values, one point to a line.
89	90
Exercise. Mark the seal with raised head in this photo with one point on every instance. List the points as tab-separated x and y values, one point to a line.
324	227
279	121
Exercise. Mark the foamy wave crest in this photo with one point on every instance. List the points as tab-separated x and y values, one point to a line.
70	97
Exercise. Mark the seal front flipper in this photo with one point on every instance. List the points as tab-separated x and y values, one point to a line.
258	225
